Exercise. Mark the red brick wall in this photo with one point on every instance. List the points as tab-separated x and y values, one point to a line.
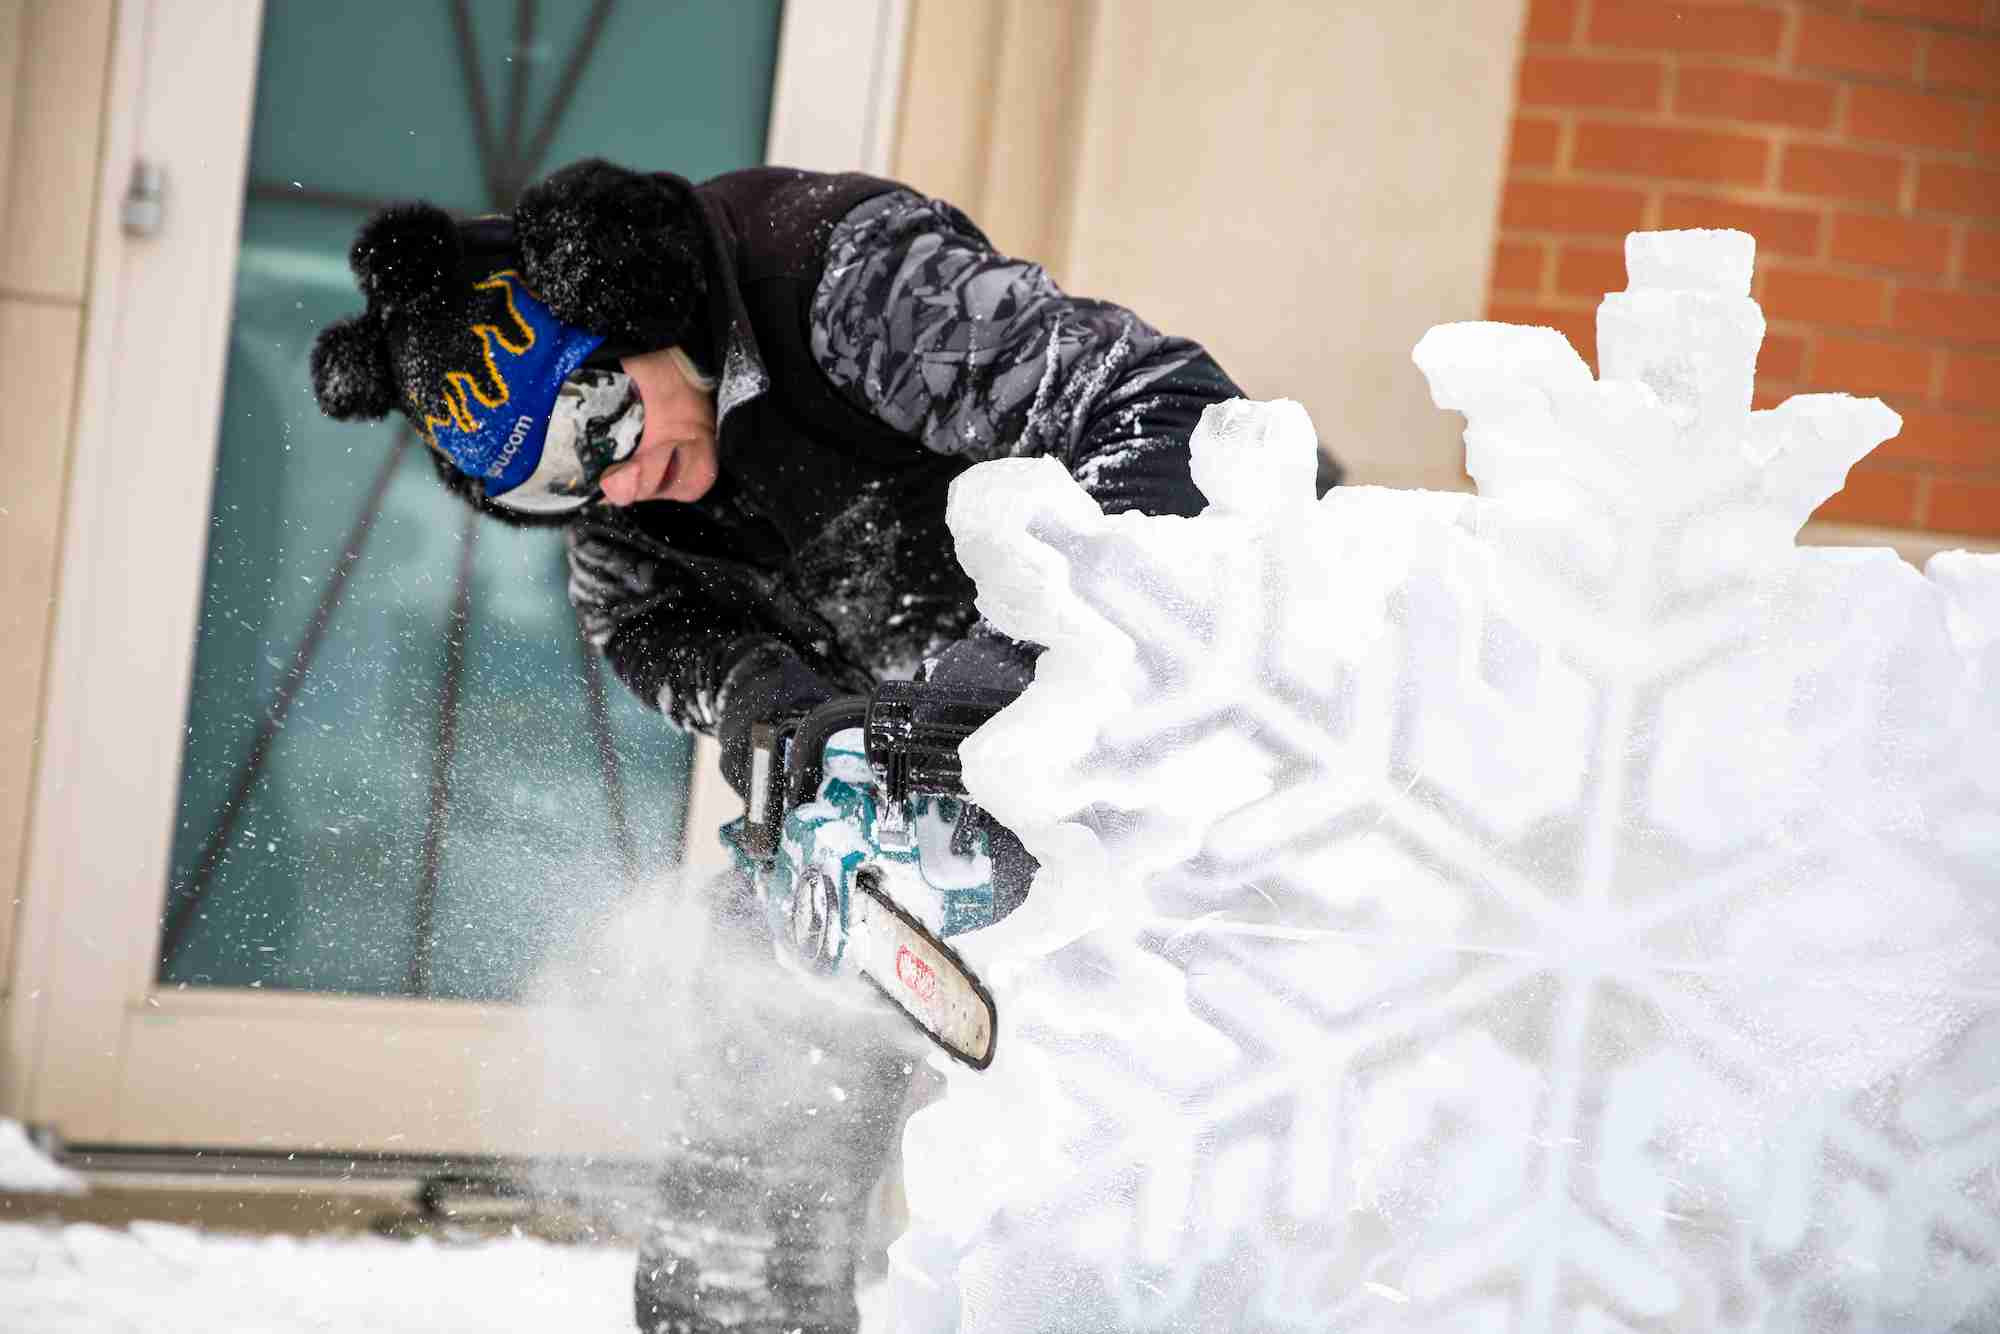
1859	140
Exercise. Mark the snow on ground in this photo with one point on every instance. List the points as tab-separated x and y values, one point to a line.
160	1278
23	1167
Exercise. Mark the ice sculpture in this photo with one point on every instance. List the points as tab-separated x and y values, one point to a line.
1567	908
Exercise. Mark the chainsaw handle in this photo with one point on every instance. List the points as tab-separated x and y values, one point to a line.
806	759
914	731
787	758
911	736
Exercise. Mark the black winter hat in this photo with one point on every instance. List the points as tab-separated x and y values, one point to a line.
614	252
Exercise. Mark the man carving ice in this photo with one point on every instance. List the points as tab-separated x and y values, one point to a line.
745	401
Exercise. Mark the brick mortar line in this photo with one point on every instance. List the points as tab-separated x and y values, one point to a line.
1542	113
1609	243
1700	123
1923	26
1762	65
1624	55
1770	65
1561	301
1784	63
1639	179
1920	469
1930	27
1754	194
1927	472
1790	328
1958	407
1981	221
1919	279
1985	416
1841	268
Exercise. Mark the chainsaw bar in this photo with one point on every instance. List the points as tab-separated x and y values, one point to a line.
920	974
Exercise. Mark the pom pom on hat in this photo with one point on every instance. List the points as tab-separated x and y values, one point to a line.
350	370
406	254
615	251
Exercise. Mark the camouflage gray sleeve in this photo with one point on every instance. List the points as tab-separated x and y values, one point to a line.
918	320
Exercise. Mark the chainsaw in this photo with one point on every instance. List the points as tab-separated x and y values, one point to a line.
868	857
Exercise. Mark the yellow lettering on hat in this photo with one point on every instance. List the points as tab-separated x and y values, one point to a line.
464	388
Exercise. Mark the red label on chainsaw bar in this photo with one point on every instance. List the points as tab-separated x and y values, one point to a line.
915	974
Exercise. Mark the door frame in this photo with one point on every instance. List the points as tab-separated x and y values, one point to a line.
90	1044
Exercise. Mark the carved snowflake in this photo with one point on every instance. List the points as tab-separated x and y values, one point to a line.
1569	908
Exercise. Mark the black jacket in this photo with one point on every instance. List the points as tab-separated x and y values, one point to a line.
870	345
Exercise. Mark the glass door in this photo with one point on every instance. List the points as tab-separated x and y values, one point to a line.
403	774
325	769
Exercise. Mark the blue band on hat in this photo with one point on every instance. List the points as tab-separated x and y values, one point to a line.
496	413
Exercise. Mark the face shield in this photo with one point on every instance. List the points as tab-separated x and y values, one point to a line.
595	422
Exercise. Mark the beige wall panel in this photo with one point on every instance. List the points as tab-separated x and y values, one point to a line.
991	114
38	357
13	15
1305	189
1038	98
376	1074
947	111
58	108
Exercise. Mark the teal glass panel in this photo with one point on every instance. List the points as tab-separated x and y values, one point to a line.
334	871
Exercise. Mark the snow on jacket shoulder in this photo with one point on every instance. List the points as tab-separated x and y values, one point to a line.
921	322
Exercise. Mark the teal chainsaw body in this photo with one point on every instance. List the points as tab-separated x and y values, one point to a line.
868	857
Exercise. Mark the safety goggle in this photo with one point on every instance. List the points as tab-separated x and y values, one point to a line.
595	423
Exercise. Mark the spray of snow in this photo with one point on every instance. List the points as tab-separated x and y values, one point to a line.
690	1033
765	1102
1570	907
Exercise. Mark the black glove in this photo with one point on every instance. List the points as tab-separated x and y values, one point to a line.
984	658
988	659
767	681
